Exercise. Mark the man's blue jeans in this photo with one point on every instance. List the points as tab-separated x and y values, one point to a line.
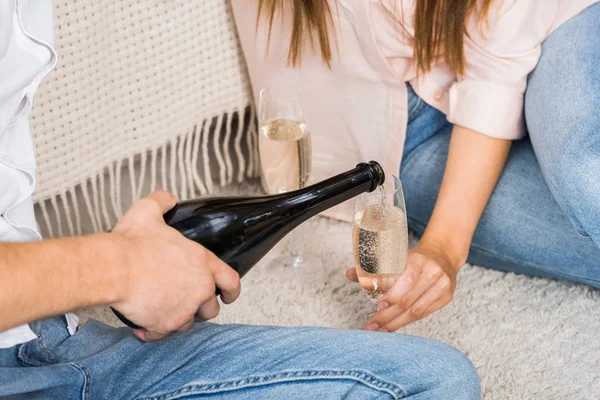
233	362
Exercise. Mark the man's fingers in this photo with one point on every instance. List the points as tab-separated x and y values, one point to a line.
208	310
226	278
186	327
164	200
151	208
148	336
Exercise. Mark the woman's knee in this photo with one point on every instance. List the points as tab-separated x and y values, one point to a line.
562	97
577	190
561	106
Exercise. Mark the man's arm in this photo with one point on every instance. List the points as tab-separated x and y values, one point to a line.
42	279
154	275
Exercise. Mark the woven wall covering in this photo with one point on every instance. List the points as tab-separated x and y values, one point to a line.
157	84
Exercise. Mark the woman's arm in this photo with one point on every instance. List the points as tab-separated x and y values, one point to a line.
474	165
475	162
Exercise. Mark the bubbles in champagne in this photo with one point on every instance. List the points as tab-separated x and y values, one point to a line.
380	241
285	152
375	286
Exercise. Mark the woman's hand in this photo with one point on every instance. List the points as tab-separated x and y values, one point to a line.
425	286
475	162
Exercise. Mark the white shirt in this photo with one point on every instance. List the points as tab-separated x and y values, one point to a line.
26	56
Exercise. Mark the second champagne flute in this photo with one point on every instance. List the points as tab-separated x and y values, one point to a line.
286	157
380	238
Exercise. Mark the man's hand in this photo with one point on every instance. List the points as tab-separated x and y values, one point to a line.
147	270
169	281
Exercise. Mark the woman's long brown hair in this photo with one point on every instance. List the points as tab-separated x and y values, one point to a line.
439	28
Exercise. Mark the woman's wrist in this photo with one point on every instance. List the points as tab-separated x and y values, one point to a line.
452	246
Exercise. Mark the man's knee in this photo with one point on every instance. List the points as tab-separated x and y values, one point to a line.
458	376
435	368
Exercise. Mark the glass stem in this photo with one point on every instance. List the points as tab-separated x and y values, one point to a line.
296	255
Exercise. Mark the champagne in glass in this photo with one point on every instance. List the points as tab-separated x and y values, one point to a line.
380	239
285	156
286	147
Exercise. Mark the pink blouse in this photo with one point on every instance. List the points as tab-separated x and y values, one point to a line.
357	110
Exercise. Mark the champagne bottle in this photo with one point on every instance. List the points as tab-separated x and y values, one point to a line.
241	230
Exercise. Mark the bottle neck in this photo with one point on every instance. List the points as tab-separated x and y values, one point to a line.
310	201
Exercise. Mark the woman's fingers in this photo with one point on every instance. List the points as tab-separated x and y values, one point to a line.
351	274
440	303
403	291
390	308
423	285
434	299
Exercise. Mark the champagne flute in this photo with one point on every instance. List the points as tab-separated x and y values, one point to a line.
380	238
284	142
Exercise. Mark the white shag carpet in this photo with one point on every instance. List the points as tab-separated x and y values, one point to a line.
529	338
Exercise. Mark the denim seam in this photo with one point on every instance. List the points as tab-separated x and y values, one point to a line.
512	260
52	357
362	377
25	358
87	381
40	347
22	354
414	112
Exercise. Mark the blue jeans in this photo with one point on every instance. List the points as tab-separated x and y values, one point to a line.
232	362
543	218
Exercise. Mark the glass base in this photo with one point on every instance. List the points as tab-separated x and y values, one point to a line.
299	266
